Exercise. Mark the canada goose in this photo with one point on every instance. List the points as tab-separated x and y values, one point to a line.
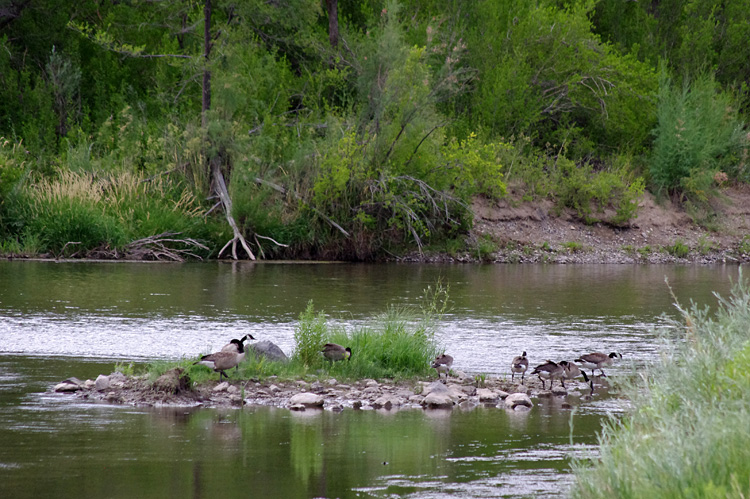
220	361
332	351
571	371
549	370
442	364
597	360
232	347
519	365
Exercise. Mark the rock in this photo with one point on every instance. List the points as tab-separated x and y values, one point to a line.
434	386
102	382
467	405
307	399
438	397
69	385
385	402
173	381
221	387
487	396
268	350
518	399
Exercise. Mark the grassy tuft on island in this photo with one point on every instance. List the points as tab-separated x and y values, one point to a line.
687	434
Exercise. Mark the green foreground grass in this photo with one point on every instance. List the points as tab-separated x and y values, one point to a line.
688	434
398	344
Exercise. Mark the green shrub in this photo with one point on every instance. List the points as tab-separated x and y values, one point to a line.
686	434
573	246
699	133
679	249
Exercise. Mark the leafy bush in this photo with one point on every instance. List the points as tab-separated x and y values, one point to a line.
547	76
681	439
679	249
698	133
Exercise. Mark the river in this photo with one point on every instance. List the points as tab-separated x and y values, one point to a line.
80	319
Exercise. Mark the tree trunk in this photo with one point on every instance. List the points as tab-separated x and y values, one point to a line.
333	22
214	163
206	103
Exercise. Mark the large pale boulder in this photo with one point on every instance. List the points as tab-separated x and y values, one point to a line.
515	399
69	385
438	396
102	382
307	399
487	396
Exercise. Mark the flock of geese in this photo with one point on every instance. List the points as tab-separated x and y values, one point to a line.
547	371
233	353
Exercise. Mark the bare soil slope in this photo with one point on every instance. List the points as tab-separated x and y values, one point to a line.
535	232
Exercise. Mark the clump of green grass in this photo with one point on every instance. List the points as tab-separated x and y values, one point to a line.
744	246
687	435
678	250
645	251
573	246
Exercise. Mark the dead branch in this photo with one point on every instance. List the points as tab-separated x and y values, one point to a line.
221	189
161	247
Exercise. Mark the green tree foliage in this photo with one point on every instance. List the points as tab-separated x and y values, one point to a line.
699	134
378	143
544	74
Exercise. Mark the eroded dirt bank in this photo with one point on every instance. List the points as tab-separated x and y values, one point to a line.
537	233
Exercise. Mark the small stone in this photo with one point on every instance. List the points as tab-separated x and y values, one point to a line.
221	387
383	402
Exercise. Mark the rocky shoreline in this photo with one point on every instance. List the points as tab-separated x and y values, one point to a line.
461	391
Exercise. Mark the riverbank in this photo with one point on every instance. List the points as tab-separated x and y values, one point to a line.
461	391
513	231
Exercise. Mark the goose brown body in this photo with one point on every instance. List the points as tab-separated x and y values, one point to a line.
549	370
519	365
442	364
225	359
334	352
597	360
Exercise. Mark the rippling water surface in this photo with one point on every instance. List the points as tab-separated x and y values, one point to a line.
78	319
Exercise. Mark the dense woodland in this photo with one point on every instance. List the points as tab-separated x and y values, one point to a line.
354	129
